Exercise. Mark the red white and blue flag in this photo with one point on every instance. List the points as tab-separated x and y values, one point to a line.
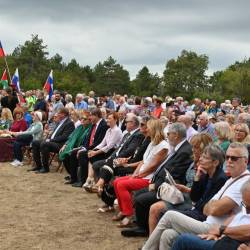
48	86
16	81
2	54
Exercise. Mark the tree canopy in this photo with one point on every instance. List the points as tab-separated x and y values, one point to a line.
184	75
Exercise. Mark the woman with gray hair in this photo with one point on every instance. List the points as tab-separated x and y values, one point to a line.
224	135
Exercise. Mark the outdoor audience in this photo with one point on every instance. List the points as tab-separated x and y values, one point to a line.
124	155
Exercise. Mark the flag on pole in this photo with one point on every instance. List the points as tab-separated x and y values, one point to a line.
4	79
48	86
2	54
15	81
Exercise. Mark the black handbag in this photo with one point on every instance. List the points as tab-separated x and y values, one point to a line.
108	194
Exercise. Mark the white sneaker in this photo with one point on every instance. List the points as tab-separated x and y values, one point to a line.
18	164
13	163
88	184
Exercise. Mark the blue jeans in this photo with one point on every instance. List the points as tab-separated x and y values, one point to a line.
192	242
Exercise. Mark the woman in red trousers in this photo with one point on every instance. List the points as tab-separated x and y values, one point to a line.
155	154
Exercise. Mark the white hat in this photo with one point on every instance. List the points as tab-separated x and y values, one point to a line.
39	115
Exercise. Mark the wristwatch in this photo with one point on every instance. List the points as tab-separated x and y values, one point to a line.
222	229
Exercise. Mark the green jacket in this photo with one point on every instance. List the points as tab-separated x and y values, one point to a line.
74	141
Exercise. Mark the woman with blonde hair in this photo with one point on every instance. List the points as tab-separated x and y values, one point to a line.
6	118
154	155
241	133
230	118
18	123
75	117
224	135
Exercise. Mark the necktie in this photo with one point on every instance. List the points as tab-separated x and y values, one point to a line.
123	142
92	135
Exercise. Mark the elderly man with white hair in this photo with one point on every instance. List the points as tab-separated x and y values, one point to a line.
80	104
204	125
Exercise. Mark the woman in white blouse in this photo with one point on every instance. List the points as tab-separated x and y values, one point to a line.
111	141
154	155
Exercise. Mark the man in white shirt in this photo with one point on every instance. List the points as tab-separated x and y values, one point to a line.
218	209
236	230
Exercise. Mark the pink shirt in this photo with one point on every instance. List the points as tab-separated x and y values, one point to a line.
112	139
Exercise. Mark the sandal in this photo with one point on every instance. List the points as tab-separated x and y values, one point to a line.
118	217
105	209
126	222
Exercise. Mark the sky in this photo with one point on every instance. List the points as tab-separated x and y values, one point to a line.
136	33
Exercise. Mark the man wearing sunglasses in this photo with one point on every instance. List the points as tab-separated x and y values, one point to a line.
234	234
218	210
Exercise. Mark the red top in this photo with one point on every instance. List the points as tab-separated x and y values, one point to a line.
157	112
18	126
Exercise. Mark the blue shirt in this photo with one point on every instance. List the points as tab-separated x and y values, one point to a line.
81	105
28	118
110	104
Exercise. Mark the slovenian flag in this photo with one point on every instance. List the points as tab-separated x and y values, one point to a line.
15	81
2	54
48	86
4	79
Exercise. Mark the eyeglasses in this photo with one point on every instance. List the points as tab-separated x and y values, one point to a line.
233	158
240	131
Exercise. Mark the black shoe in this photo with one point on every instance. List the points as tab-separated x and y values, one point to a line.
77	184
67	178
69	182
134	232
34	169
43	171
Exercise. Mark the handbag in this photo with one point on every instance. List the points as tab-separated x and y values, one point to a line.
168	192
108	195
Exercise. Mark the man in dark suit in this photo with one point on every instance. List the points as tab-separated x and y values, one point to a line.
94	137
177	163
132	139
42	149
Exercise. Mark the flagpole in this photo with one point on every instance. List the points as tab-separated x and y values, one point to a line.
7	68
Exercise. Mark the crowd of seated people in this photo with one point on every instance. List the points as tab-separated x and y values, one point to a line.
120	148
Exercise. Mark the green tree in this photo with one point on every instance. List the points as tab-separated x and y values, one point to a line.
145	83
110	77
186	75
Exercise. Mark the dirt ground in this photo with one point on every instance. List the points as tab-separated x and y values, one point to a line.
40	212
